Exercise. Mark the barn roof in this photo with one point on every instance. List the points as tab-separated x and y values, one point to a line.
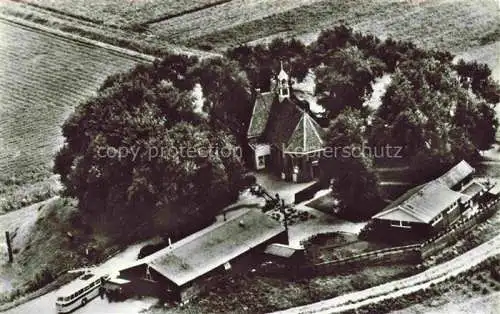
214	246
456	174
423	203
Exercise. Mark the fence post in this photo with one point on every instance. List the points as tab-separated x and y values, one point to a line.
9	247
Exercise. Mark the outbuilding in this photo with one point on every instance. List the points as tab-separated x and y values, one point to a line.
182	270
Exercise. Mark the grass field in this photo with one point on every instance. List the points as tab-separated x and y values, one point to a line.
469	27
44	77
455	25
123	12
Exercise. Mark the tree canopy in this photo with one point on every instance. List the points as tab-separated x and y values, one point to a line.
350	168
437	110
139	150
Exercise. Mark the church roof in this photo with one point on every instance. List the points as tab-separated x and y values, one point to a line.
260	114
306	137
292	129
282	121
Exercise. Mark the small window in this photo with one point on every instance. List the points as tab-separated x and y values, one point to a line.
261	162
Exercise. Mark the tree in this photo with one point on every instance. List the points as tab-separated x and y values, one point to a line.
478	77
354	180
262	62
345	79
138	151
478	121
433	117
227	92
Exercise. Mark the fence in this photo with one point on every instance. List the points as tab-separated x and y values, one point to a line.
457	230
400	254
414	253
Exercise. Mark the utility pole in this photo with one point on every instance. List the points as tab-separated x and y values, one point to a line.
9	247
285	219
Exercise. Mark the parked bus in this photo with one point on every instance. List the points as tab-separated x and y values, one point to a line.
78	293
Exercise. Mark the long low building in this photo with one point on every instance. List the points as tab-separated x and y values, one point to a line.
432	207
181	271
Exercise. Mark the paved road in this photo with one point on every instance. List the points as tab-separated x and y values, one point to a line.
46	304
404	286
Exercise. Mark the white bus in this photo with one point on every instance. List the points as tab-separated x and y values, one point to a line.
78	293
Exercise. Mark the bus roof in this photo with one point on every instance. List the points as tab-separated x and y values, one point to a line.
76	285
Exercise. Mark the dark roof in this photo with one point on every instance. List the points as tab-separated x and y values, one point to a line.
260	114
456	174
292	129
282	122
214	246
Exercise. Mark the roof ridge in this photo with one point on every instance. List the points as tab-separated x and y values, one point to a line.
312	125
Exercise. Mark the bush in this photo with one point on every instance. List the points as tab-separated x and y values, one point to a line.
476	287
40	280
151	248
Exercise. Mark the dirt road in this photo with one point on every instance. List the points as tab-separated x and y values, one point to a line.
404	286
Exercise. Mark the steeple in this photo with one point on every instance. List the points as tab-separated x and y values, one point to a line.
283	84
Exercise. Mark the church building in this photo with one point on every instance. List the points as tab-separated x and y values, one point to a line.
283	136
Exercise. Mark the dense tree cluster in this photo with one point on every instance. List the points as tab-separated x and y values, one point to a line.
352	171
429	113
142	152
438	111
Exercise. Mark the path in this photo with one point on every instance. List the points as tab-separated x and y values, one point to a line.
46	303
404	286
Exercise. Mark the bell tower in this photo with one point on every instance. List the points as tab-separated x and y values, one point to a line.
283	84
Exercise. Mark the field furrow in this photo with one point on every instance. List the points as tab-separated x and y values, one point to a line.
43	78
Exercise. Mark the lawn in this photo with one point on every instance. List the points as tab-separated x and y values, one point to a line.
44	77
